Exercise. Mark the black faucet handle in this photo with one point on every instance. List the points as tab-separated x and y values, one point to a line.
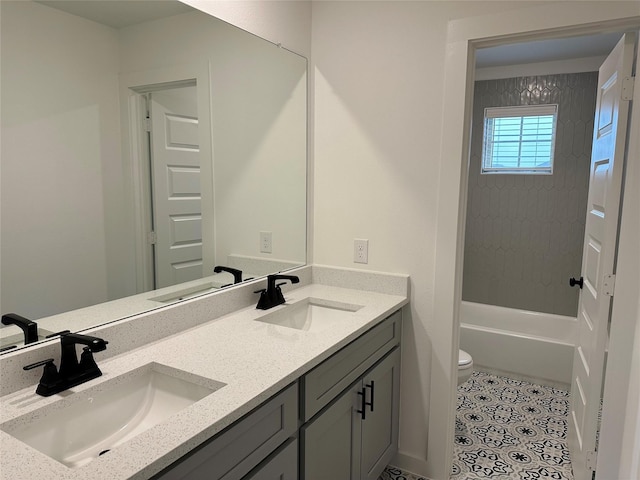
87	361
38	364
50	377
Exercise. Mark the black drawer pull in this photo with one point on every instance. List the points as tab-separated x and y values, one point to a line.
363	412
371	386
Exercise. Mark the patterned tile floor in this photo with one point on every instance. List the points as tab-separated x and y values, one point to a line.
392	473
510	429
507	429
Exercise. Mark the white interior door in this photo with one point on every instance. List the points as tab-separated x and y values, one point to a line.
176	185
598	263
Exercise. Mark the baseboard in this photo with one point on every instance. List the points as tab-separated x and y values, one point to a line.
527	378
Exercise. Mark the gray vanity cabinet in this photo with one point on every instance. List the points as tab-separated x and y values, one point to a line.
342	443
339	441
235	453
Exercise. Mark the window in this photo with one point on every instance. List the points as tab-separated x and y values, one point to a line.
519	139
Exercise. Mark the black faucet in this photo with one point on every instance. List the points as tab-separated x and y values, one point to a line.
237	274
29	327
71	371
272	295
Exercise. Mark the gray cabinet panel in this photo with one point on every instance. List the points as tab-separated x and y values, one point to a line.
339	444
328	450
282	465
327	380
234	452
380	428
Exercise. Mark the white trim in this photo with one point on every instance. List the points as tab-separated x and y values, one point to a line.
464	36
521	111
139	151
556	67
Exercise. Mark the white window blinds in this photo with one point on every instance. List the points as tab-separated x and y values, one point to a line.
519	139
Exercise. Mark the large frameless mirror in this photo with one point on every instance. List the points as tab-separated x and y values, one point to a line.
143	145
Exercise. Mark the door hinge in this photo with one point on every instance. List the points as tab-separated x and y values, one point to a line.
592	458
152	238
146	124
627	88
609	284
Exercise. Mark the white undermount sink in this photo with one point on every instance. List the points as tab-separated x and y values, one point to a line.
91	423
311	314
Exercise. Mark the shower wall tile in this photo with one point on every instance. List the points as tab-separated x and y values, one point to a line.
524	233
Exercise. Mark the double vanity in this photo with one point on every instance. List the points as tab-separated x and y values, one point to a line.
307	389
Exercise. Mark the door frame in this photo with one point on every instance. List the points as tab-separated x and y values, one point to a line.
135	152
464	37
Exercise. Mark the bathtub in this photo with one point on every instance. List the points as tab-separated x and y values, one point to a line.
532	346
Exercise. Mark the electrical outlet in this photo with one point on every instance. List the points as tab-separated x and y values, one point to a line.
360	250
265	242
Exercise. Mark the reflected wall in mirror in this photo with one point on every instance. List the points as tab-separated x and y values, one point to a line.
79	169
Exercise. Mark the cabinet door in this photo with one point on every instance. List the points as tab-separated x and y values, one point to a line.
283	465
330	443
380	426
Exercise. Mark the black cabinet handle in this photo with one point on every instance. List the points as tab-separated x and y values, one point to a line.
363	396
370	386
573	282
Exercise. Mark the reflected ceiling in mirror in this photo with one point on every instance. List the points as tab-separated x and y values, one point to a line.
80	231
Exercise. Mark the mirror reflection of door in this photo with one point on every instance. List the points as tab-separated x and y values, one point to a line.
176	186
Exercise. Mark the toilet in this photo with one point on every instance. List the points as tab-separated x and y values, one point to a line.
465	366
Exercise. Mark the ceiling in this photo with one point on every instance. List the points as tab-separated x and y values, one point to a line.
122	13
547	50
119	13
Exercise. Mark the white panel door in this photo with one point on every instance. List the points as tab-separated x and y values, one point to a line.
607	158
176	185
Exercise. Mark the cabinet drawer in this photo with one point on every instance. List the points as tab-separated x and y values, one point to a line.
282	465
233	453
327	380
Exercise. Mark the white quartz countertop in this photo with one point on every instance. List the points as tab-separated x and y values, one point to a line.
254	359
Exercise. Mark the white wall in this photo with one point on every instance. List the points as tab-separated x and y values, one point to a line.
378	105
60	119
279	21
